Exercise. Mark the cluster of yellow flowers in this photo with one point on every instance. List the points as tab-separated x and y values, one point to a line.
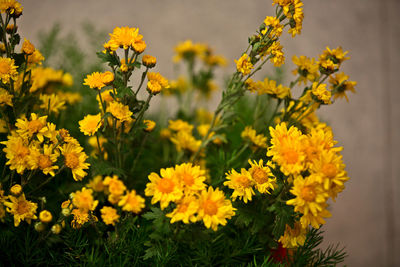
189	51
35	144
256	140
268	87
83	204
193	201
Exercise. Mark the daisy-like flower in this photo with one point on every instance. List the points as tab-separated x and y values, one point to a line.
75	159
7	70
185	141
22	209
243	64
185	210
35	126
114	186
90	124
156	82
258	140
190	177
269	87
337	55
180	125
5	98
340	85
310	197
317	219
52	103
109	215
241	183
275	50
44	160
214	208
124	37
307	68
83	199
17	153
261	175
320	91
80	218
132	202
94	80
274	24
120	111
164	189
96	184
293	238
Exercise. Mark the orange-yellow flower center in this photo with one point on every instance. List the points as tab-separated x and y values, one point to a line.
243	181
4	67
166	185
260	176
329	170
22	152
291	156
311	152
71	160
44	162
210	207
308	193
35	126
183	208
23	207
187	178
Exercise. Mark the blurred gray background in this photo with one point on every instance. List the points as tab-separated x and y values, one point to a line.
366	216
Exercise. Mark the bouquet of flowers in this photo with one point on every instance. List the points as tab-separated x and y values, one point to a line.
94	174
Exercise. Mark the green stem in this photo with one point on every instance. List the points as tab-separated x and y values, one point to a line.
141	81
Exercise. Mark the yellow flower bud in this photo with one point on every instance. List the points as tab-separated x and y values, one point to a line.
149	61
150	125
16	189
45	216
66	212
39	227
56	229
27	47
107	77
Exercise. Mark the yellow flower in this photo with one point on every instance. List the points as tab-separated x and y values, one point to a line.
258	140
120	111
94	80
340	85
109	215
27	47
275	50
44	160
17	153
336	55
45	216
70	98
75	159
188	50
306	68
132	202
5	98
274	24
35	59
156	82
241	183
315	220
286	148
125	37
90	124
7	70
186	141
163	189
35	126
84	200
52	103
320	91
80	218
150	125
107	77
16	189
243	64
261	175
56	229
293	238
190	177
214	208
149	61
269	87
115	186
185	210
180	125
21	208
96	184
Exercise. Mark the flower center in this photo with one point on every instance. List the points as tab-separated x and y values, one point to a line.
291	156
210	207
260	176
4	67
308	193
71	160
166	185
34	126
243	181
311	152
44	162
22	152
22	207
187	179
183	208
329	170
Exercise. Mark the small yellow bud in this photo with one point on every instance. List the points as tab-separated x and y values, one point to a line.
45	216
27	47
149	61
39	227
150	125
16	189
107	77
66	212
11	28
56	229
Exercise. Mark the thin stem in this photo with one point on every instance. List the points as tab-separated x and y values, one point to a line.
141	81
99	146
139	152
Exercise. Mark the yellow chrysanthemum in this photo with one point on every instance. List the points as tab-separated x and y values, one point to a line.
11	7
257	140
17	153
16	189
45	216
315	220
5	98
214	208
243	64
261	175
320	91
307	68
156	82
190	177
22	209
269	87
188	50
52	103
35	59
273	23
44	159
96	184
27	47
149	61
286	149
275	50
35	126
7	70
132	202
114	186
180	125
340	85
241	183
94	80
120	111
84	200
90	124
124	37
293	238
109	215
75	159
185	210
164	189
337	55
185	141
80	218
